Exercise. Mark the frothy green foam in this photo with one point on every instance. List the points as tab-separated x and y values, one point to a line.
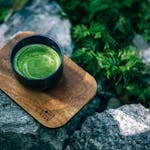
36	61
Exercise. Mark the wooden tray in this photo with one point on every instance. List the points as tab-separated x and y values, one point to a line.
52	108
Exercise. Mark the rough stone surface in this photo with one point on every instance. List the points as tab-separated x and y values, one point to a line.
88	110
125	128
113	103
20	131
42	17
13	119
144	52
143	47
42	139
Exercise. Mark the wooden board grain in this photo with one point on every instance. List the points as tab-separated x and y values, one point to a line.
52	108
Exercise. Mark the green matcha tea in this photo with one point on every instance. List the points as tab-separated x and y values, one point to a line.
36	61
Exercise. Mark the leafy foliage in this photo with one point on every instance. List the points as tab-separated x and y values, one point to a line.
3	13
10	6
4	10
103	31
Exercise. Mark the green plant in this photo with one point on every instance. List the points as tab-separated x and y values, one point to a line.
103	31
3	13
7	7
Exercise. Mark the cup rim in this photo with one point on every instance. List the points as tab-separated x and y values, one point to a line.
40	36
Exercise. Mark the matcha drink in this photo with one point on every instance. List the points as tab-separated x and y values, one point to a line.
36	61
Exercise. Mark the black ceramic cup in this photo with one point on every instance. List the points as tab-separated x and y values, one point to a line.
42	83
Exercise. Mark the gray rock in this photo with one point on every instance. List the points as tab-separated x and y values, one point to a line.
20	131
144	52
87	110
125	128
43	139
113	103
42	17
144	48
13	119
139	42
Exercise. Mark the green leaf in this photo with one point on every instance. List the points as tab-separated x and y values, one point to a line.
80	31
103	30
3	13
